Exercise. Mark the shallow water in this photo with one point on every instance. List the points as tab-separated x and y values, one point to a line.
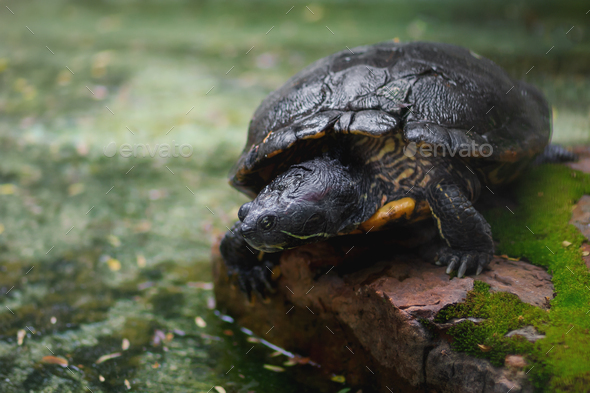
96	248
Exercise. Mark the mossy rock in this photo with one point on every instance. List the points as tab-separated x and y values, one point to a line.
536	231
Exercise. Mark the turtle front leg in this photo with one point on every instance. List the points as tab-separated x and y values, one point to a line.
242	260
466	232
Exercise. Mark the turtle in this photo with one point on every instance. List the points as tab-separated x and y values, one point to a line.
377	137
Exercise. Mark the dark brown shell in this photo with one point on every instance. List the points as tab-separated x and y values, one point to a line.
442	84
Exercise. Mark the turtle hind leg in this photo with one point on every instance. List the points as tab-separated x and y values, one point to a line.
554	154
242	261
464	229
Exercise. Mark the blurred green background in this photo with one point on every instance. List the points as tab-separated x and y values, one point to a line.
117	248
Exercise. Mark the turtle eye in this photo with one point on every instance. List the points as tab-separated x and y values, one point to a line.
267	222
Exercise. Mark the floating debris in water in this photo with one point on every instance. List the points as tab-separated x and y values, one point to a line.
247	331
141	261
114	264
179	332
53	320
220	389
296	359
101	378
484	348
125	344
201	285
585	253
114	240
200	322
225	318
7	189
145	285
565	243
20	336
209	337
143	226
338	378
276	369
275	354
128	385
159	336
210	302
228	332
54	360
104	358
75	189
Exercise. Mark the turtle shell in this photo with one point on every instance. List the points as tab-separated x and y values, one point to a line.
389	85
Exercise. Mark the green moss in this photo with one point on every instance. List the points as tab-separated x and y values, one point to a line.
428	325
546	196
502	312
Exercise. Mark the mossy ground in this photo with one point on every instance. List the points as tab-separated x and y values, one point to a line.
561	361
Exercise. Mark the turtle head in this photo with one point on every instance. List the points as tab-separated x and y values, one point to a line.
307	203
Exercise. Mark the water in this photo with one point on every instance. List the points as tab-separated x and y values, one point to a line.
96	247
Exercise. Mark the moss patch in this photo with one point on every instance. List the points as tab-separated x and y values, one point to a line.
546	196
503	312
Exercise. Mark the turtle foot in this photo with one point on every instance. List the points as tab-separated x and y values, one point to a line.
256	279
464	261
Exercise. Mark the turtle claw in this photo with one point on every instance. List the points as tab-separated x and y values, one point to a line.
452	263
465	262
256	279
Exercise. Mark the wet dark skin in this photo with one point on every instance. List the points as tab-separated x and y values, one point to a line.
325	153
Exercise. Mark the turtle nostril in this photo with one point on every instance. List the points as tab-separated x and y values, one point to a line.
245	228
243	212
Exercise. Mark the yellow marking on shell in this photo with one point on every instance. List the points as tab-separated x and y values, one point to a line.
364	133
397	161
405	174
389	147
385	179
390	212
317	135
274	153
425	181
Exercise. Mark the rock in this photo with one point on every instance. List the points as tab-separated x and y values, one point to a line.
581	213
529	332
366	323
583	162
586	254
581	216
515	361
530	283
